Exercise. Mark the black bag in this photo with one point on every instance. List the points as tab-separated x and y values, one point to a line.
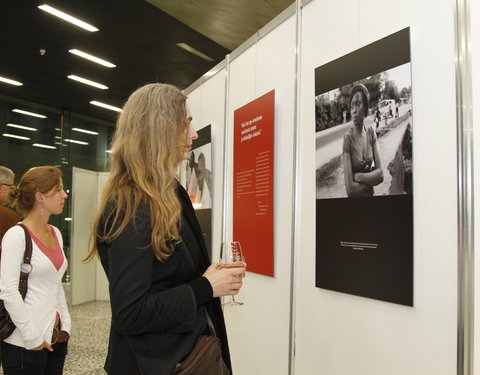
205	358
6	325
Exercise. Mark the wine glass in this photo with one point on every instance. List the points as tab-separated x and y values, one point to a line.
231	257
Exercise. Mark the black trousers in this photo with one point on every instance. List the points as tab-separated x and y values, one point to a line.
20	361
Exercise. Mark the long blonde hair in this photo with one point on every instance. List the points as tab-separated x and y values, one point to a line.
148	144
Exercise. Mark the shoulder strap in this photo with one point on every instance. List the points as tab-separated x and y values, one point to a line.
27	258
211	327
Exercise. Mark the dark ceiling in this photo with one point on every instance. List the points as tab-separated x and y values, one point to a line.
135	35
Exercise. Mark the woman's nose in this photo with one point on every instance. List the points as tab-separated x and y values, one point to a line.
193	133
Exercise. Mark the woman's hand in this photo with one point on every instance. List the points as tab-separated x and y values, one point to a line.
358	177
225	281
45	345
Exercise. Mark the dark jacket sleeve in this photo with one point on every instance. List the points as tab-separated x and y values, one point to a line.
135	309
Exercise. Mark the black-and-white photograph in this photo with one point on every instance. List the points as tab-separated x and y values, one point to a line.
198	177
364	172
195	174
364	137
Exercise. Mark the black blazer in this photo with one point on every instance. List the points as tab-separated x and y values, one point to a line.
158	308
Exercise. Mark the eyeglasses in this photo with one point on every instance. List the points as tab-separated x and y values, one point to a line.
10	185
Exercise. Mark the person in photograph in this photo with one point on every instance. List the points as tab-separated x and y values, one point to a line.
360	158
204	179
377	118
192	180
38	345
163	290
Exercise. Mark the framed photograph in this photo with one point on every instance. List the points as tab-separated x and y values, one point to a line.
364	172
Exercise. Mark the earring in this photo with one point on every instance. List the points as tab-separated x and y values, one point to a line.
41	210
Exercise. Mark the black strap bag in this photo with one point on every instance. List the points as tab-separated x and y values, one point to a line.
6	325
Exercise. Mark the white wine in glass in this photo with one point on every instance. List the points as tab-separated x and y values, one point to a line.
231	256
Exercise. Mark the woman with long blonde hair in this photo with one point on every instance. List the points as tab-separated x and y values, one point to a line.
162	288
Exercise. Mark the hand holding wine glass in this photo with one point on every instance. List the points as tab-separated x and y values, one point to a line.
226	277
231	256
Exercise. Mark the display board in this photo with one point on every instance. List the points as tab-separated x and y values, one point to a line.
364	168
332	326
253	158
196	177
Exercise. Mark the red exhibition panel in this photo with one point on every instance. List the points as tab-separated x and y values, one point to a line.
253	160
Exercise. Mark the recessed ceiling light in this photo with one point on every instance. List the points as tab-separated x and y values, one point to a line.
107	106
28	113
11	81
16	136
22	127
88	82
67	17
92	58
190	49
85	131
77	142
44	146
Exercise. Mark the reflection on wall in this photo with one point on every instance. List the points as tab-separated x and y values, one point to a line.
56	137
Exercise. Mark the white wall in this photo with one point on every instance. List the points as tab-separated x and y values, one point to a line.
340	334
88	281
101	282
84	204
259	330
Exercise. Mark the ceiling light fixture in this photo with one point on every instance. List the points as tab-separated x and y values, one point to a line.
22	127
10	81
44	146
15	136
28	113
190	49
87	82
92	58
77	142
67	17
85	131
107	106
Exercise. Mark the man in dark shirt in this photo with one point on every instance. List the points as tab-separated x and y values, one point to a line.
8	218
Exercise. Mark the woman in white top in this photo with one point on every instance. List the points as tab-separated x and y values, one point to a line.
38	345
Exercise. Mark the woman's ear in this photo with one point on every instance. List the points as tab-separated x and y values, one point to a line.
39	197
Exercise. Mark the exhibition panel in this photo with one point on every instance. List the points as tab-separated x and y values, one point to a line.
409	116
207	105
84	205
269	64
338	333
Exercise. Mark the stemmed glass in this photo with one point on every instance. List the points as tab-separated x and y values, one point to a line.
231	257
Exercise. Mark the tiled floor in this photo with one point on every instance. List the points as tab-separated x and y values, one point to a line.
88	345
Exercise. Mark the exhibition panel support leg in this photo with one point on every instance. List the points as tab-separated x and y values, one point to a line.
463	73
